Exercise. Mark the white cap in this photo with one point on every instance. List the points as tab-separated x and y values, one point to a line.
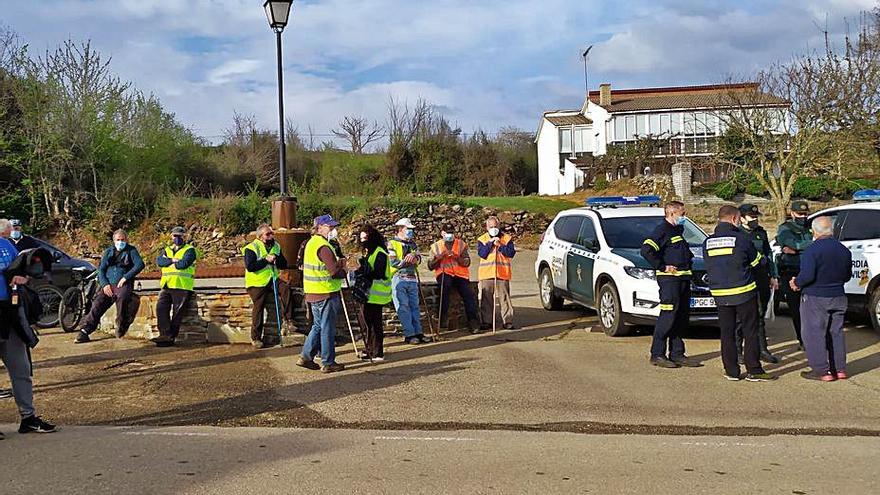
405	222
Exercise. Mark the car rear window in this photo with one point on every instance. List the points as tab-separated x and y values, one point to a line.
631	232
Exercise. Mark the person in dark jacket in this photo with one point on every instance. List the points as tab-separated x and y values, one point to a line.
19	239
730	258
766	277
120	265
379	274
13	348
826	266
793	237
667	251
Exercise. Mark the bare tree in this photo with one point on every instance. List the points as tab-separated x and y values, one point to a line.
358	132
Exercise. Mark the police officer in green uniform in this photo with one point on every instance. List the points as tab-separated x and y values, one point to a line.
766	277
793	237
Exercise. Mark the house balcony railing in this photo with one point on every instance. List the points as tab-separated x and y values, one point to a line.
681	146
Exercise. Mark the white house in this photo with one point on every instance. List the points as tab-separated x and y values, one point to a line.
567	140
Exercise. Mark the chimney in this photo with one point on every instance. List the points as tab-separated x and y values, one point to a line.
604	94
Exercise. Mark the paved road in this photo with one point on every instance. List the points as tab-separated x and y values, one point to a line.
216	461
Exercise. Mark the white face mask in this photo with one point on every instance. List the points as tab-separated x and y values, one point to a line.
333	234
494	231
448	237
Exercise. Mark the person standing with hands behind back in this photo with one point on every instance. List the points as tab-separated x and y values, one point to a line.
119	266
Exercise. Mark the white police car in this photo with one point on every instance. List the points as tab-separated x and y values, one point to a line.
591	256
857	226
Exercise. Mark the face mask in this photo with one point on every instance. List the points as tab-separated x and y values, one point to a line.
16	234
494	231
752	224
448	237
363	239
177	240
410	234
269	243
333	234
681	221
120	245
800	221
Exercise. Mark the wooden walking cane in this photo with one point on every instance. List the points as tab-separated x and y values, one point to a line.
434	331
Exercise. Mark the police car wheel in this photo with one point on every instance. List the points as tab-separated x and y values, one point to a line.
549	299
608	309
874	310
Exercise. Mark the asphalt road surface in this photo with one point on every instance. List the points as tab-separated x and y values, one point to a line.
551	407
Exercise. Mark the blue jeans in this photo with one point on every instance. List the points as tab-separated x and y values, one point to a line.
405	294
322	337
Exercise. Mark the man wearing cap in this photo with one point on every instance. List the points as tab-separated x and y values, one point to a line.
403	255
496	251
178	264
262	260
19	239
766	277
793	237
450	261
323	272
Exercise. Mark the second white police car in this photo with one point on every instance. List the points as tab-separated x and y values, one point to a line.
591	256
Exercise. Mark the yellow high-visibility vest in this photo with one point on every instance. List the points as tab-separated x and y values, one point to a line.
262	277
317	279
172	277
380	290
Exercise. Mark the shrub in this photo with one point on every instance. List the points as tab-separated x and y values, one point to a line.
726	190
600	184
247	213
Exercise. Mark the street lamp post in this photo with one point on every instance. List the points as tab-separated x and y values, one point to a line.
278	12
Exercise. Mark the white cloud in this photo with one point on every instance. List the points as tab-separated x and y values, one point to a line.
228	71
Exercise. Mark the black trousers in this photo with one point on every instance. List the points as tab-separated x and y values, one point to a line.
169	311
762	279
370	319
259	296
747	314
792	299
463	287
121	298
675	308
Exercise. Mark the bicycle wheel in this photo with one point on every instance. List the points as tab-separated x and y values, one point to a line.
50	297
71	309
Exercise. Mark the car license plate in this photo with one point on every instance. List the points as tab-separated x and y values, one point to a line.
702	302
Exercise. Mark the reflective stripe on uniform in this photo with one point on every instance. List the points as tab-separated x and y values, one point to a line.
651	243
676	238
316	278
380	289
757	261
262	277
720	252
667	307
735	290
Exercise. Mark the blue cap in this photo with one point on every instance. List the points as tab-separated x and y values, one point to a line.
325	220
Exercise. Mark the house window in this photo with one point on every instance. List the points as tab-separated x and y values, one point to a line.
641	120
654	124
675	124
619	129
565	139
664	124
630	127
581	139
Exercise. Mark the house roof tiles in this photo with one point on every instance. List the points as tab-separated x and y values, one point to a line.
684	97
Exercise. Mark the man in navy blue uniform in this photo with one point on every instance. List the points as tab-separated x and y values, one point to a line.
731	258
668	253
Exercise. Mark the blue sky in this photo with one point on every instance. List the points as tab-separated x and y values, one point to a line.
486	64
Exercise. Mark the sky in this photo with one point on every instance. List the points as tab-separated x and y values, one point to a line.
483	64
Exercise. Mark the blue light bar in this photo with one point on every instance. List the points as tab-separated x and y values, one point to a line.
866	195
615	201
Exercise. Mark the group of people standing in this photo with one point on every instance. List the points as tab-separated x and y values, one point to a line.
742	274
389	273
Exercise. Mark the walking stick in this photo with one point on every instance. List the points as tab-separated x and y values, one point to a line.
277	308
434	331
494	289
348	321
440	304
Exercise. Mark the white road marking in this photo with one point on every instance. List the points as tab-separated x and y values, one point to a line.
428	439
725	444
170	433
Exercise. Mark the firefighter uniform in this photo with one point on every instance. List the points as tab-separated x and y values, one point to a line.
763	274
795	235
730	258
666	246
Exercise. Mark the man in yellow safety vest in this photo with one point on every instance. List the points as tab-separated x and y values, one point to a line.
496	251
178	264
323	271
262	260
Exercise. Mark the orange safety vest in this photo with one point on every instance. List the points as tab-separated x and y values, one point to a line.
449	266
496	265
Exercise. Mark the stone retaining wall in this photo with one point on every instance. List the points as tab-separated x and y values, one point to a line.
224	316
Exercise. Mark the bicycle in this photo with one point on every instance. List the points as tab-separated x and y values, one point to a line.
50	298
75	300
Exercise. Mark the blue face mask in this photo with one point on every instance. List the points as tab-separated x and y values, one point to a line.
120	245
178	241
410	233
681	221
16	234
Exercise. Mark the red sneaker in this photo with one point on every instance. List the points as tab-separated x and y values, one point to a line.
841	375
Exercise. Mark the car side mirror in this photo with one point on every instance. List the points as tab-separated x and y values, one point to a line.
593	245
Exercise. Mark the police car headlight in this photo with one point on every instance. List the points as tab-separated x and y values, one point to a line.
639	273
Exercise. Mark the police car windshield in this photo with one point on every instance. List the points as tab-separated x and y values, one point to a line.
630	232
